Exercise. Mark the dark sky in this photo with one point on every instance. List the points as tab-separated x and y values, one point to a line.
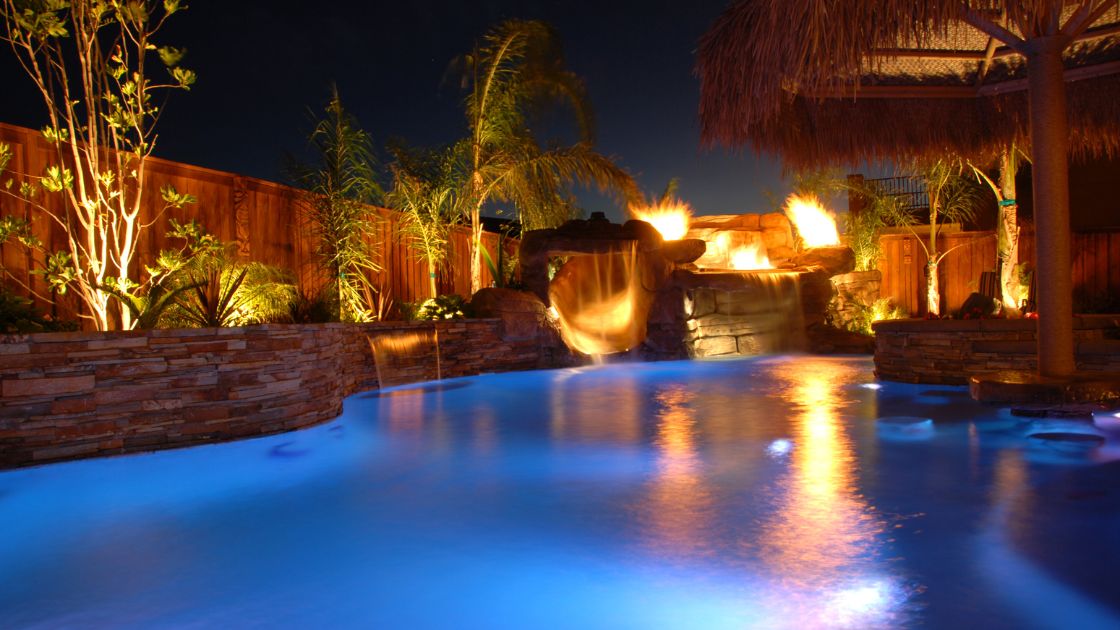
263	63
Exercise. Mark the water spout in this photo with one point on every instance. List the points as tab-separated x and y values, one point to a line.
600	301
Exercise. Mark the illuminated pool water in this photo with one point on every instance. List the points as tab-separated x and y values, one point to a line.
776	493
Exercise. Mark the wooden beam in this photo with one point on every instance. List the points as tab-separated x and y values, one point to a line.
989	54
1074	74
894	91
1077	18
994	30
952	91
1074	29
927	53
1098	33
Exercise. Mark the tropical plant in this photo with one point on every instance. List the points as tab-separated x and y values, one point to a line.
501	265
449	306
224	291
865	315
862	230
952	199
148	301
91	62
516	70
336	205
19	315
425	196
312	307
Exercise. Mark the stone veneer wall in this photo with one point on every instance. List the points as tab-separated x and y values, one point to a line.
949	351
71	395
757	319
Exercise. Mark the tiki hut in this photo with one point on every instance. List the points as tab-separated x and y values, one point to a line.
821	82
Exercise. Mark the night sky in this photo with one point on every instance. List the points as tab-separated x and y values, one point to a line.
263	64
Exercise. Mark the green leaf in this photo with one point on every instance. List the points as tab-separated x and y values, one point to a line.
171	56
176	199
186	78
55	135
58	179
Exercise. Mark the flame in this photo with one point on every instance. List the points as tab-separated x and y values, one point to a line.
752	256
816	225
671	218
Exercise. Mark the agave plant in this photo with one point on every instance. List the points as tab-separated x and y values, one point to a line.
224	291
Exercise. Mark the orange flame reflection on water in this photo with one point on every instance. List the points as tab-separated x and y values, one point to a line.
823	526
679	506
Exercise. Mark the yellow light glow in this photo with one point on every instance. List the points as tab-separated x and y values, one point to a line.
671	218
751	256
823	525
816	225
600	302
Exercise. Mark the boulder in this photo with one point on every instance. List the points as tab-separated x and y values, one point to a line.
774	220
776	237
683	251
523	314
834	260
780	254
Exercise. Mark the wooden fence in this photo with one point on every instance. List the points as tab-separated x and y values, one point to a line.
262	218
1096	268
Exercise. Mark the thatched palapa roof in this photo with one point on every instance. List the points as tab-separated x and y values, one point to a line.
825	82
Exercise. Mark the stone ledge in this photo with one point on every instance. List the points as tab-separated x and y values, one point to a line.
1018	386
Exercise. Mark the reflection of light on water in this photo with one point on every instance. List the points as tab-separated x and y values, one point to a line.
404	413
865	603
871	386
779	448
904	428
679	504
617	399
823	533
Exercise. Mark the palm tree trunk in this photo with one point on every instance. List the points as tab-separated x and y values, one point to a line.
1008	234
933	289
476	248
432	276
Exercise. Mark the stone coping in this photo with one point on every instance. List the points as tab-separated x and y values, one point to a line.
1100	390
1080	322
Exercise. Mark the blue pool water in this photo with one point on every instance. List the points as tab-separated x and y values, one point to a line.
782	492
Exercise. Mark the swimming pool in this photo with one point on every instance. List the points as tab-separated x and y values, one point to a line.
777	492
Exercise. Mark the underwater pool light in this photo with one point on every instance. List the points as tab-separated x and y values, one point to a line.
779	448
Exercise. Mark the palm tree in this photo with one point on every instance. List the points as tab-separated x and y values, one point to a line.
339	191
518	69
428	206
952	199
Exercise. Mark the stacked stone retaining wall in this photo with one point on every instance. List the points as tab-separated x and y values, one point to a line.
71	395
949	351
